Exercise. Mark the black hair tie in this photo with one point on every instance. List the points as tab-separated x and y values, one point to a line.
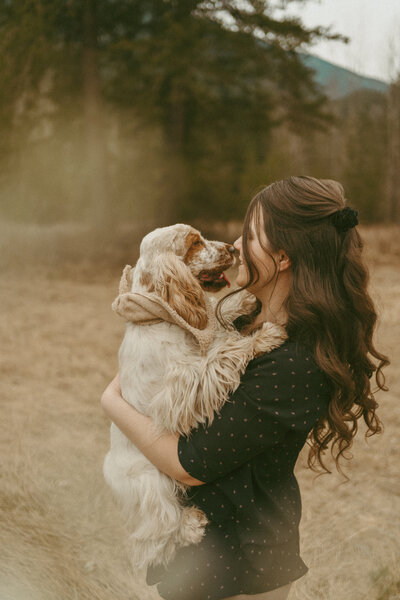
345	219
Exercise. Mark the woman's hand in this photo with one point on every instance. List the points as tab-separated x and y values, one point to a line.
160	450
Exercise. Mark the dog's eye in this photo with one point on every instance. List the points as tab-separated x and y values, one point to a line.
197	243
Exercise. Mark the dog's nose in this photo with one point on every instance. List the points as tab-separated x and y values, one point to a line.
231	249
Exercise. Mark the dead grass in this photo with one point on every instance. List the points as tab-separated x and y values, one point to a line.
61	536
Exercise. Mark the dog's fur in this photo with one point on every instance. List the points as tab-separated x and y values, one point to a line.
164	375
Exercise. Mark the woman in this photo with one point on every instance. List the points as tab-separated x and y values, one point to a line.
300	255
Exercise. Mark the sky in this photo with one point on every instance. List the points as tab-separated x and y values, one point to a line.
372	25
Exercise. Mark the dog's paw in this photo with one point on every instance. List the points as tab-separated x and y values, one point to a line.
192	526
242	303
268	337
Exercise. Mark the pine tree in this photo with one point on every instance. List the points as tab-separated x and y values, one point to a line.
216	77
366	152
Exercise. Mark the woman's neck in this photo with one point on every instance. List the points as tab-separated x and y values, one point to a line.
272	301
280	318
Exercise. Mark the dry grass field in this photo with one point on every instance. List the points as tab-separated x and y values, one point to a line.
61	537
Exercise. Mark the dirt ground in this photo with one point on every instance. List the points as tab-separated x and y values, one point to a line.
61	537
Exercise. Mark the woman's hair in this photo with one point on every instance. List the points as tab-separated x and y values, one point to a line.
329	308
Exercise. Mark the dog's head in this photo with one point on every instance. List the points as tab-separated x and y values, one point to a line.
177	263
207	260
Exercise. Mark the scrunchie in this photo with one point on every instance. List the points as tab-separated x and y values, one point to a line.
345	219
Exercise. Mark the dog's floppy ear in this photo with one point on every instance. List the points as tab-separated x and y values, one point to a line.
175	284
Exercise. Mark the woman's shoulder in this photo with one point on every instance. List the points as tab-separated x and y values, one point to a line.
290	348
287	374
291	357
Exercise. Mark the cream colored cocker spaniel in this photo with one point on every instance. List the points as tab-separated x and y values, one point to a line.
177	365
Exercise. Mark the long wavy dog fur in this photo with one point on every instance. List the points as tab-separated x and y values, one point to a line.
167	374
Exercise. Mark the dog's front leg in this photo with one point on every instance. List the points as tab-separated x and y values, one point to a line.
268	337
241	303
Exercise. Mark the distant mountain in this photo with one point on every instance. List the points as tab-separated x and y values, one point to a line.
338	81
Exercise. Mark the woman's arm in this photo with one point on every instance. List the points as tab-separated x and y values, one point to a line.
160	450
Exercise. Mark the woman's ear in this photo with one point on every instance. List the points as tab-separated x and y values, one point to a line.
174	283
283	261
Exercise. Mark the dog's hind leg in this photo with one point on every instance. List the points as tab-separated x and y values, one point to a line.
157	520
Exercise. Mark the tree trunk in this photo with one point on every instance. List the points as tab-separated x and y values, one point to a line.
393	171
175	133
94	122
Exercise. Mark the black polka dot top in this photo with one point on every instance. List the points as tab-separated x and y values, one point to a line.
246	457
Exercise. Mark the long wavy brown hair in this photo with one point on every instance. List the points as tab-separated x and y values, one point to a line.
328	305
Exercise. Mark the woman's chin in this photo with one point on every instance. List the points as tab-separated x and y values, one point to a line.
241	280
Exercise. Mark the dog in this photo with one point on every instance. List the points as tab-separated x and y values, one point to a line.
177	365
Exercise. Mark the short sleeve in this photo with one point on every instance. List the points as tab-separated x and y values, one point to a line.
281	391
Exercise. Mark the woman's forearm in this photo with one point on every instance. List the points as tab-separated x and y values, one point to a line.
160	450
